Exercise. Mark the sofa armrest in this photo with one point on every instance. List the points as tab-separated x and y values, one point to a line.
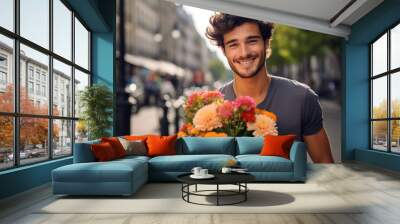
83	152
298	155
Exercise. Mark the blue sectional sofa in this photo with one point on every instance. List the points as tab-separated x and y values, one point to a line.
125	176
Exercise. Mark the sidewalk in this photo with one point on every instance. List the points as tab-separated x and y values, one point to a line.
332	124
146	121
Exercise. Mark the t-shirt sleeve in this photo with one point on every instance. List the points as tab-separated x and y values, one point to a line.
312	114
226	90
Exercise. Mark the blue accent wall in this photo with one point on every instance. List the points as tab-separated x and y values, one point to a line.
24	178
103	53
99	16
356	82
357	99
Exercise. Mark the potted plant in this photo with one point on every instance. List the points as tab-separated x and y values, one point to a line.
96	104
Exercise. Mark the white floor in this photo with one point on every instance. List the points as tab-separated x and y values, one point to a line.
379	190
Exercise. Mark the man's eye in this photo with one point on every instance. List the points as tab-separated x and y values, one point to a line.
232	45
252	41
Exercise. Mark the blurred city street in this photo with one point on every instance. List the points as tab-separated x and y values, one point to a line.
146	121
332	124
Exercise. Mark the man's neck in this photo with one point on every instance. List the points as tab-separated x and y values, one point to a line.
256	87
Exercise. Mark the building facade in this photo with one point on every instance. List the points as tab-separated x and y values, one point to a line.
34	82
163	31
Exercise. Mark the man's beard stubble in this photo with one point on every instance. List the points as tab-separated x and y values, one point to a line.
259	67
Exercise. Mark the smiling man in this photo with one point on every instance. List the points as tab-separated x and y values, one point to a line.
246	44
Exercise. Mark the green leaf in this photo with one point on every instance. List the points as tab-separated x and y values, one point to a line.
96	103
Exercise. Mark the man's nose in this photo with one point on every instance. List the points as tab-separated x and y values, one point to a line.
244	50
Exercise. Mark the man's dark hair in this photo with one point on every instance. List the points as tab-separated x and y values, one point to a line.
222	23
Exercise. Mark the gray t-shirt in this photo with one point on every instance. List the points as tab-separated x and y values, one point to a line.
295	104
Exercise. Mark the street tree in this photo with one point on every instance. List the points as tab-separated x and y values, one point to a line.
33	131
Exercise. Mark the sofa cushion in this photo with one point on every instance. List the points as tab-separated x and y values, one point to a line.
249	145
103	152
131	158
185	163
133	147
83	153
277	145
161	145
257	163
136	137
209	145
142	138
116	145
111	171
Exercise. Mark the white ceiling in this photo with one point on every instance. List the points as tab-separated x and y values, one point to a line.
321	9
325	16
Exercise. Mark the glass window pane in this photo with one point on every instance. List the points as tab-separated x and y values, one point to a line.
6	74
7	14
379	135
62	138
33	139
35	21
395	135
62	29
34	96
81	45
395	47
62	89
6	142
395	94
379	97
81	81
379	55
81	131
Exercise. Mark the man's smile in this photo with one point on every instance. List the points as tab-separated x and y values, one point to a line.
246	62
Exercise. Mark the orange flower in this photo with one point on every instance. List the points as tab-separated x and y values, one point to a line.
264	125
207	119
186	128
181	134
194	132
215	134
267	113
231	162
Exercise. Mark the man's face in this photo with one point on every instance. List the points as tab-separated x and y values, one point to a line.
245	50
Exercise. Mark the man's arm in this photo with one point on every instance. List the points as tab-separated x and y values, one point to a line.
319	147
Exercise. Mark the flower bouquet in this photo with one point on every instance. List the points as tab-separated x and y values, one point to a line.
207	114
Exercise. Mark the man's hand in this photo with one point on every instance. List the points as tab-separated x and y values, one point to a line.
319	147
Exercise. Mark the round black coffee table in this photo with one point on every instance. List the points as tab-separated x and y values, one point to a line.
238	179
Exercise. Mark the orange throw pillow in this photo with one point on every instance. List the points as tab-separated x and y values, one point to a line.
277	145
136	137
161	145
103	152
116	145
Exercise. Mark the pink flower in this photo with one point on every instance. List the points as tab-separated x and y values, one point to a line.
246	103
206	118
192	98
249	116
211	96
263	125
225	110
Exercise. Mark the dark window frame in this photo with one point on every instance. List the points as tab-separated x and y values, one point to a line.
16	115
388	74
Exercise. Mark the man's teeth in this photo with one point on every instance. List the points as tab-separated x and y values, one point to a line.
246	62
